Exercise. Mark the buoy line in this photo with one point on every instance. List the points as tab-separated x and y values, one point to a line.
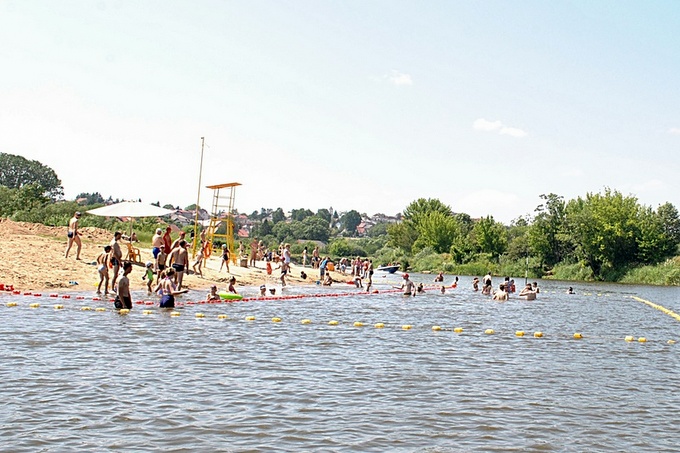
658	307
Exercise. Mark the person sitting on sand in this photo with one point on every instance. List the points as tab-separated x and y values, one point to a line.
212	295
73	235
500	295
527	293
328	280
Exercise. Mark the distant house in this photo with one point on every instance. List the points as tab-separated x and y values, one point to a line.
243	233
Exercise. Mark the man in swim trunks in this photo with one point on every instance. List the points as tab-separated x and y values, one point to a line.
116	257
285	266
407	286
157	242
254	248
179	259
124	287
175	243
73	235
103	269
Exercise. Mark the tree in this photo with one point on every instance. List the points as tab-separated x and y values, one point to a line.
300	214
315	229
548	236
325	214
350	220
421	207
90	198
278	216
17	172
168	206
437	230
490	237
671	222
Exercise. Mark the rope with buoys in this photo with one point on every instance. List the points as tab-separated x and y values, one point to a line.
658	307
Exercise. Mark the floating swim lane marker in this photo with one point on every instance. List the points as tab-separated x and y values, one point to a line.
406	327
222	316
306	321
276	319
642	340
489	331
11	304
538	334
100	309
458	329
659	307
578	335
34	305
333	323
200	315
629	338
124	311
519	333
58	307
358	324
379	325
147	312
436	328
671	342
174	314
250	318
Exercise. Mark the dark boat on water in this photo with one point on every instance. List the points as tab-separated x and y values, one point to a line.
390	269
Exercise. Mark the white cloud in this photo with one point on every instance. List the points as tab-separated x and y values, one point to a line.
399	78
674	131
481	124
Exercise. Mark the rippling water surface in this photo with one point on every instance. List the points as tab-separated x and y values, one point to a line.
77	380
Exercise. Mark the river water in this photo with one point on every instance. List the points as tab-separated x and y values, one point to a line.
77	380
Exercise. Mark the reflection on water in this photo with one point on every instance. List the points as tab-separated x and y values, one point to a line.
93	381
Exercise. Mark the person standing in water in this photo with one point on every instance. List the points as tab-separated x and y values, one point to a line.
73	235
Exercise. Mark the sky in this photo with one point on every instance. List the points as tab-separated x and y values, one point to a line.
365	105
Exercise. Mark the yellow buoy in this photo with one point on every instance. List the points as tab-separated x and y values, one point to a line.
174	314
11	304
34	305
200	315
58	307
538	334
250	318
358	324
578	335
333	323
124	311
489	331
306	321
671	342
519	333
642	340
86	308
406	327
147	312
379	325
100	309
629	338
222	316
276	319
436	328
458	329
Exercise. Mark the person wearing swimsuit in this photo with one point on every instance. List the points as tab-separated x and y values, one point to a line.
73	235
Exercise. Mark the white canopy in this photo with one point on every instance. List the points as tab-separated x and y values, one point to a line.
130	209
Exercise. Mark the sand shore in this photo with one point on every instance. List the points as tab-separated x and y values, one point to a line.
32	258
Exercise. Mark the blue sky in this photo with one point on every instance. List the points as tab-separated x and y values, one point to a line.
362	105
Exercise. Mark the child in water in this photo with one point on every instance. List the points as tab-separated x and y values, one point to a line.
212	295
232	282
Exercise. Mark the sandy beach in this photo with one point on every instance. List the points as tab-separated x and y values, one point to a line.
32	258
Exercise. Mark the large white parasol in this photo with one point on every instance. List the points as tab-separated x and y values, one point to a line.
130	209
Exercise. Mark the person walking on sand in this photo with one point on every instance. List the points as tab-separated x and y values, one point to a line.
285	266
73	235
167	240
254	247
179	259
225	257
199	262
116	257
103	269
304	257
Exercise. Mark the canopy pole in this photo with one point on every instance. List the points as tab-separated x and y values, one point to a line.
198	200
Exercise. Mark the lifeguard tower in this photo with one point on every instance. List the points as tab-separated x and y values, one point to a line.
220	202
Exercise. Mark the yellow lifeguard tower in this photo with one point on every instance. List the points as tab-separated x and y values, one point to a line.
221	201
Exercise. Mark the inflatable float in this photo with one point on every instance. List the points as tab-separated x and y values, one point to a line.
229	296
